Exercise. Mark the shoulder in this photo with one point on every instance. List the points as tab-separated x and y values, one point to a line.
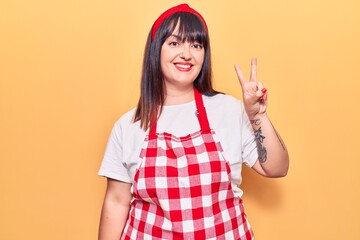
224	111
126	118
223	102
125	123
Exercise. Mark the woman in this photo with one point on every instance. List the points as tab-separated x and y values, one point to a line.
173	164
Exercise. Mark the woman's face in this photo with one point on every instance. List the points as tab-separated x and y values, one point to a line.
181	62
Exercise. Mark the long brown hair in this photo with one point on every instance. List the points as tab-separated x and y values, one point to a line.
152	96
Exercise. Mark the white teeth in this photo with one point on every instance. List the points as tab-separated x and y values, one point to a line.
183	66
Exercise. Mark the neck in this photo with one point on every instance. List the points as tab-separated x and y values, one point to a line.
179	96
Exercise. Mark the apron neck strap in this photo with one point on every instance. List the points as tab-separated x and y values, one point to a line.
153	123
200	113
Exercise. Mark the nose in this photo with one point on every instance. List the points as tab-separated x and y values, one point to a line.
186	53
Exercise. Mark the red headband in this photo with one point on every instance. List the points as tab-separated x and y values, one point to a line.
180	8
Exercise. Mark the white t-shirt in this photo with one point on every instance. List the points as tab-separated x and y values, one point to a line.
226	117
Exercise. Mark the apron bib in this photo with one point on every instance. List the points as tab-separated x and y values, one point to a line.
182	188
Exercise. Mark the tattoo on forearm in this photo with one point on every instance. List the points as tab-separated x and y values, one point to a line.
259	138
255	122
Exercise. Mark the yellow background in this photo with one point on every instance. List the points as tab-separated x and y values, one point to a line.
70	69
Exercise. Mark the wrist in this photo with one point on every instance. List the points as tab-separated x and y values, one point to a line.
257	116
257	119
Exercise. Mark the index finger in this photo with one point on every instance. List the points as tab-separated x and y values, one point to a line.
240	75
253	73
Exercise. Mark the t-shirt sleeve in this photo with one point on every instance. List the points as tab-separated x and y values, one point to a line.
249	149
112	165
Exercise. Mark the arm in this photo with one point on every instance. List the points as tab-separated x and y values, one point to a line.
273	158
115	210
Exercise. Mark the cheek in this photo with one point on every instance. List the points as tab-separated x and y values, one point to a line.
163	53
201	58
167	56
163	58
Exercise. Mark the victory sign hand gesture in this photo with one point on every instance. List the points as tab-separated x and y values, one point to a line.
254	93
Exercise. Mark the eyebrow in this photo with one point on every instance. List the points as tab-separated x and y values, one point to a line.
179	38
175	36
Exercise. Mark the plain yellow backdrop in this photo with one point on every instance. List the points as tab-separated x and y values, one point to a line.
70	69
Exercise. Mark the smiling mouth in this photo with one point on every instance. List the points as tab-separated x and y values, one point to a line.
183	67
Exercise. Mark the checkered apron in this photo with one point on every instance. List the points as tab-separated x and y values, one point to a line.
182	189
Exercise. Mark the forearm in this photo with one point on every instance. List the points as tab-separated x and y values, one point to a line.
273	155
113	219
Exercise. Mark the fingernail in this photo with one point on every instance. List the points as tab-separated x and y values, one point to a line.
262	100
263	90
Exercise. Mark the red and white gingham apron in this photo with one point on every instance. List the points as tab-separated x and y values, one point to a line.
182	189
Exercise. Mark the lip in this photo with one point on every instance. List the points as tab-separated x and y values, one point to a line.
183	66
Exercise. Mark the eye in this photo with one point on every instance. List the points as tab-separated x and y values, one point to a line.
173	44
198	46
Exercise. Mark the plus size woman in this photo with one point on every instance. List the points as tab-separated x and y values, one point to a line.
173	163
